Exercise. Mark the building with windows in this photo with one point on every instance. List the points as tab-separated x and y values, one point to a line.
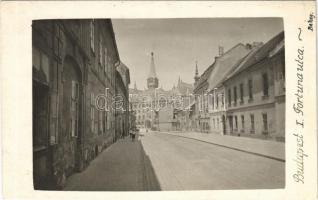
255	93
74	66
243	92
208	91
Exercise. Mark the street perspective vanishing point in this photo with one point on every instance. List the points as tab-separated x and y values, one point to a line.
158	104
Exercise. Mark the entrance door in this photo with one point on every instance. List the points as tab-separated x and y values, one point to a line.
224	125
41	155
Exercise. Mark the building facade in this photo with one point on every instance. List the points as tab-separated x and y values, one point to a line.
255	101
74	62
243	92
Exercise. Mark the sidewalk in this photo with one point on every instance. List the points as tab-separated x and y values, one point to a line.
123	166
271	149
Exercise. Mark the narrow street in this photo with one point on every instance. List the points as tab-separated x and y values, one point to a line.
159	161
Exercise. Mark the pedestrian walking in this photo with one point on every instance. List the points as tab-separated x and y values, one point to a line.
133	136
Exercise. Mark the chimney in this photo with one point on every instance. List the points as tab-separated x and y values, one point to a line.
255	44
221	50
248	46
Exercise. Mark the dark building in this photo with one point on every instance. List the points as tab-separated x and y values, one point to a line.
74	63
122	101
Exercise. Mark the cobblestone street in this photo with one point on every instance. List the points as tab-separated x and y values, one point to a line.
157	161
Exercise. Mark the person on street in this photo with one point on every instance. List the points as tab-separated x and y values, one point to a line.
130	133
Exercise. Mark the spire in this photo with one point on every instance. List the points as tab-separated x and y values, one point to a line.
179	81
196	76
152	80
152	72
135	86
196	69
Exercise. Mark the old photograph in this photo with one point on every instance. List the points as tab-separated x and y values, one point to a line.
160	104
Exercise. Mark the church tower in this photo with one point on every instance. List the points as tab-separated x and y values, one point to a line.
152	80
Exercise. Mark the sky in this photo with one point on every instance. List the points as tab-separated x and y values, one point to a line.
178	43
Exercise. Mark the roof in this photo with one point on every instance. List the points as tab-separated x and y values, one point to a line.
214	73
114	38
183	88
258	54
226	63
203	78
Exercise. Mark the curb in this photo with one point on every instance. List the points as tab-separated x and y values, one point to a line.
229	147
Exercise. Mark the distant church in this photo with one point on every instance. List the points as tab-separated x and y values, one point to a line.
153	106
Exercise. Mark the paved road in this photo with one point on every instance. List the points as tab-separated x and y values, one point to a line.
186	164
159	161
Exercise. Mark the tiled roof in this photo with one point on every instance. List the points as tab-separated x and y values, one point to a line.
257	55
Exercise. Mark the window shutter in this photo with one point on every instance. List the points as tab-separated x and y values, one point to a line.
92	99
36	58
92	36
73	90
92	113
106	60
100	50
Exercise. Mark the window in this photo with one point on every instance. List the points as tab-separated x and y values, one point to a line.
105	60
100	50
74	109
92	35
241	92
109	68
217	101
222	99
243	123
206	98
212	101
36	58
213	123
104	121
235	95
229	97
217	124
100	122
252	123
92	112
236	125
109	117
265	124
250	89
41	62
265	84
